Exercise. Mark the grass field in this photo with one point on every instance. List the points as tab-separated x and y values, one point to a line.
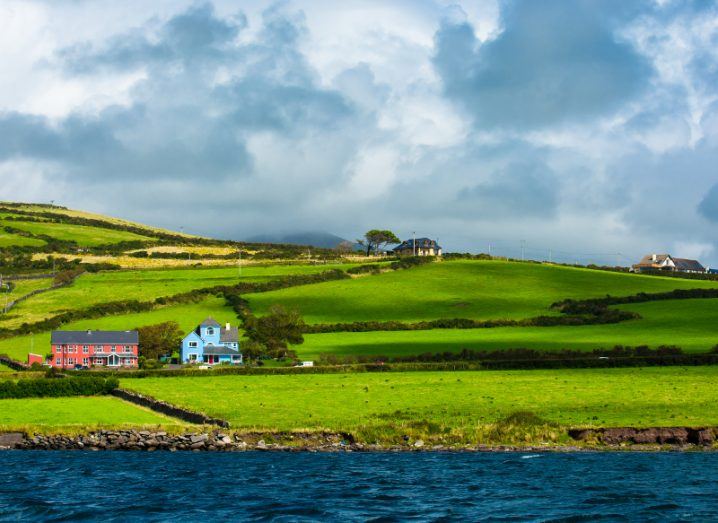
7	240
67	415
5	369
102	287
23	287
187	315
378	405
690	324
459	289
82	234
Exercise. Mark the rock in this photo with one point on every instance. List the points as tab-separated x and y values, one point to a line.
197	445
11	439
261	444
199	438
419	443
618	435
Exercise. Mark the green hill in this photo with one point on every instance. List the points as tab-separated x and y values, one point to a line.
460	289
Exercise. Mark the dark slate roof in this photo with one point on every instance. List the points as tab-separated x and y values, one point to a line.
209	322
683	264
231	335
214	350
427	243
91	337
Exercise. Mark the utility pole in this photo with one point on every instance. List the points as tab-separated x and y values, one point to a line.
523	250
489	249
413	241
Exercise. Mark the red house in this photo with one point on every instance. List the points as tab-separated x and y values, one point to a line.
112	349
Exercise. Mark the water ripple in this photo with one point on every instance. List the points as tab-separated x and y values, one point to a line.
179	487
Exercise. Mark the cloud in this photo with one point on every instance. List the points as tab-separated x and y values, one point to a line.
586	126
708	207
553	62
528	190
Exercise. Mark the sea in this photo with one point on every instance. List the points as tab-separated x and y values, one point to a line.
420	486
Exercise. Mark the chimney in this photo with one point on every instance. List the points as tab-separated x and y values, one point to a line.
89	332
226	327
654	257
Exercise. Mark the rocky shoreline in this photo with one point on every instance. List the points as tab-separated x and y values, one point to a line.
624	439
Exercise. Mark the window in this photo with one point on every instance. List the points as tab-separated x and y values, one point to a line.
70	361
128	361
113	348
193	344
210	331
98	348
71	350
192	357
58	361
85	349
85	361
98	361
128	348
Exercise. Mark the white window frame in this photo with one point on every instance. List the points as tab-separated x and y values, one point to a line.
193	344
192	358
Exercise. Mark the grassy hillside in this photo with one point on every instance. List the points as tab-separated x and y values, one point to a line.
689	324
144	285
436	404
83	235
459	289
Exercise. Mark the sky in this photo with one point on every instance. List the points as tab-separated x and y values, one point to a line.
586	131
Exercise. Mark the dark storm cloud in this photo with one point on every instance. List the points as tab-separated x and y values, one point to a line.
530	190
182	123
554	61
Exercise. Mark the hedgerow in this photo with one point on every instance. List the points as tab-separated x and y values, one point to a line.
47	387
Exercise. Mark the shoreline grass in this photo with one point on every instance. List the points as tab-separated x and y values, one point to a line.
453	406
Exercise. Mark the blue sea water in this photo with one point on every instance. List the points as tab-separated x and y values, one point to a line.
255	486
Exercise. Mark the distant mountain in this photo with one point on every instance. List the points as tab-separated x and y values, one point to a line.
313	238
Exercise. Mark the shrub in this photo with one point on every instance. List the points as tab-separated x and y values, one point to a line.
44	387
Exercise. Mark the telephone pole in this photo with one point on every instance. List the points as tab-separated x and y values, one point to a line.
523	250
413	241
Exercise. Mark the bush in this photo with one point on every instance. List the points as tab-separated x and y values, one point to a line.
44	387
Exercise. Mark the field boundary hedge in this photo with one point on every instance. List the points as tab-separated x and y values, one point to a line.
54	388
588	306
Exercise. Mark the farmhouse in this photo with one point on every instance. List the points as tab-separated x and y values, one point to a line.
113	349
211	343
424	247
666	262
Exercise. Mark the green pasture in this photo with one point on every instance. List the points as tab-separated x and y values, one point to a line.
23	287
187	315
11	240
84	235
76	414
377	405
459	289
5	368
143	285
690	324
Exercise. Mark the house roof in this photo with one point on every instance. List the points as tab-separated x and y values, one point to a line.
209	322
90	337
683	264
229	336
426	243
221	350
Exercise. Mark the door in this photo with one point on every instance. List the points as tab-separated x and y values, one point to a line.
113	360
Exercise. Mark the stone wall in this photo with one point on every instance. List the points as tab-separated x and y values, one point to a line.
169	409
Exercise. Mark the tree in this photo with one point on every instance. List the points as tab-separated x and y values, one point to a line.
345	247
376	239
276	330
158	340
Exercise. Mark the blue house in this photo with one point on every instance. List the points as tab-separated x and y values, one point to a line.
212	344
